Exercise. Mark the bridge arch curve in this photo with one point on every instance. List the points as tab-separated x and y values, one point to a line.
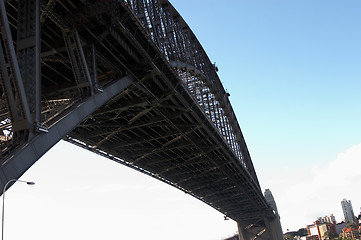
99	74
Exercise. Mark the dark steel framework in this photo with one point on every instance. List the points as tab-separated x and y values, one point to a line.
126	79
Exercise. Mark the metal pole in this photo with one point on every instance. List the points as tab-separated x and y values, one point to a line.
12	180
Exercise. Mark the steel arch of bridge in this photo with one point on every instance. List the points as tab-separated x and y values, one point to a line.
126	79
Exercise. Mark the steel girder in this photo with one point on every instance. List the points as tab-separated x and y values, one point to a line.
24	158
180	46
171	119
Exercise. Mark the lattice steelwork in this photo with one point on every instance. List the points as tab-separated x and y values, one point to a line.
126	79
182	49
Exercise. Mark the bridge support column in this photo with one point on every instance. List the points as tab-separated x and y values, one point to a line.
273	227
242	233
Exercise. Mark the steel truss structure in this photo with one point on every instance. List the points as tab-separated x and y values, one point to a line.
126	79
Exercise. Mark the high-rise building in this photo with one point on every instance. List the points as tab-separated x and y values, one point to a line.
327	219
347	210
332	219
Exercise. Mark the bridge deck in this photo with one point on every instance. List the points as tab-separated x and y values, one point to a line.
155	126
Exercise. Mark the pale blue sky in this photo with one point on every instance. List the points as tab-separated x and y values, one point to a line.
293	71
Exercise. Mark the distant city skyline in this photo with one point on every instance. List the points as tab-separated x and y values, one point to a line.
347	210
327	219
326	226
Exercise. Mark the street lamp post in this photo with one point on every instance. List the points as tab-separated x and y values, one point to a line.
10	181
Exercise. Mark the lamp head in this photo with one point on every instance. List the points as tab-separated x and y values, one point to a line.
30	183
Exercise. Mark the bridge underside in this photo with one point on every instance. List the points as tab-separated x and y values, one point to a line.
167	136
107	87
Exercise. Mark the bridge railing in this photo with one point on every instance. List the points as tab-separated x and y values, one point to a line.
184	52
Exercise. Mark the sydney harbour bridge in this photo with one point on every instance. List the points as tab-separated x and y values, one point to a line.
128	80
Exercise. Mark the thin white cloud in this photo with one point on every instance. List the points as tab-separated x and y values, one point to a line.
302	196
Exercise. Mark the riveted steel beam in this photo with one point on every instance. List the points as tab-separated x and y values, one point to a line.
14	166
15	73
